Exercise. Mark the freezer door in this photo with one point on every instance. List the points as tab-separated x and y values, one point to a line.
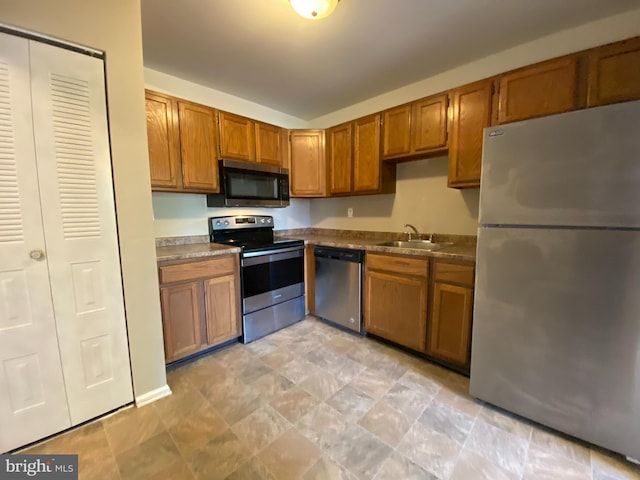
556	334
580	168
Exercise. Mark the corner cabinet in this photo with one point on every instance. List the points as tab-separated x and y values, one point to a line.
200	305
183	147
449	328
308	165
470	114
395	299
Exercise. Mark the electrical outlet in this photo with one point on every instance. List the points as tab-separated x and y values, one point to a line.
349	212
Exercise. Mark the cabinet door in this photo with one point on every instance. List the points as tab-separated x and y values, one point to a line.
308	167
182	319
471	113
164	140
614	73
396	140
429	124
450	324
396	308
537	90
269	144
366	154
237	137
339	157
198	147
222	309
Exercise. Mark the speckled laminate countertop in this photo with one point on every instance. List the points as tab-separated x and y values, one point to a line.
457	251
175	249
192	251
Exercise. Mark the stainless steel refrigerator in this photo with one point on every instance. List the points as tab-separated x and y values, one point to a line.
556	334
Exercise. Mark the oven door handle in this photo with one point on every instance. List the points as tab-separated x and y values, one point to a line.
266	256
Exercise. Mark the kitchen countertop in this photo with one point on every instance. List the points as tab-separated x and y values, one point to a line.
458	251
192	251
170	249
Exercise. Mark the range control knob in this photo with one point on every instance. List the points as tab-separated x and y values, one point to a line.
226	222
218	222
262	220
268	220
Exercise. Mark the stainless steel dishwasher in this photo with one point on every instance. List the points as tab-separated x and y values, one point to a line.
339	286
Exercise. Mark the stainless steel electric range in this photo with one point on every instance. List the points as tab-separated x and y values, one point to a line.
271	273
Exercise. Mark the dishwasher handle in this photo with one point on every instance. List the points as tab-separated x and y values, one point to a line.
342	254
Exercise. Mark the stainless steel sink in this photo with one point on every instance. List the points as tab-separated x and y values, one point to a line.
419	244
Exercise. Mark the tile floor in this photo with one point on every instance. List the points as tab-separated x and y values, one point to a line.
312	402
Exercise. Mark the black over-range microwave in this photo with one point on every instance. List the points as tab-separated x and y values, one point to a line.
246	184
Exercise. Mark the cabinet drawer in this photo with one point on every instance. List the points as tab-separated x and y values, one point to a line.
454	273
192	270
403	265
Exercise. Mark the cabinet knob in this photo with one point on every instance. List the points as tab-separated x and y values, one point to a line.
37	254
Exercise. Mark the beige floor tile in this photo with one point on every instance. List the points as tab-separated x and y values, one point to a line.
252	470
272	385
326	469
386	423
406	400
546	464
505	421
560	445
431	450
450	421
180	404
220	457
195	429
322	385
278	358
609	466
298	370
294	404
131	427
398	467
290	456
372	382
149	458
359	451
471	466
259	429
351	403
322	425
204	371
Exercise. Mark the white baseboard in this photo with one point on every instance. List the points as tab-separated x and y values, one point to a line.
153	395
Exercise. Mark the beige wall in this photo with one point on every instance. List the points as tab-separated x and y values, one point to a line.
114	27
422	196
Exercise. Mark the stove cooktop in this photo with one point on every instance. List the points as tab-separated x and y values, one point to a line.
252	233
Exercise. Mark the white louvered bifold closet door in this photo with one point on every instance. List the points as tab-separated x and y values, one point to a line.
32	393
63	344
76	191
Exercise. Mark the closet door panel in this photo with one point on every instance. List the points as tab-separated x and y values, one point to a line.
74	170
33	403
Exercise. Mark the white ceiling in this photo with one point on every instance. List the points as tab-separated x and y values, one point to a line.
262	51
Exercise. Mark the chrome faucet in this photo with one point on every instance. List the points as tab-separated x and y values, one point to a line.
415	230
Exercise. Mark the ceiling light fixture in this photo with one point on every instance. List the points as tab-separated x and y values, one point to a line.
314	9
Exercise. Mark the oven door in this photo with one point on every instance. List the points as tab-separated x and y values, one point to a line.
271	277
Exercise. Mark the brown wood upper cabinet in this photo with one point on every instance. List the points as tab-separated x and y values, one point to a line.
449	328
237	137
353	158
537	90
614	73
470	114
395	298
182	145
164	140
340	158
308	166
200	305
270	144
417	128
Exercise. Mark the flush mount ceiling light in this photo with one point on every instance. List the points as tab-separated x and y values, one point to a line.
314	9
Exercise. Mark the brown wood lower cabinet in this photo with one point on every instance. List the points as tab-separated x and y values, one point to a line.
449	330
395	306
200	305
